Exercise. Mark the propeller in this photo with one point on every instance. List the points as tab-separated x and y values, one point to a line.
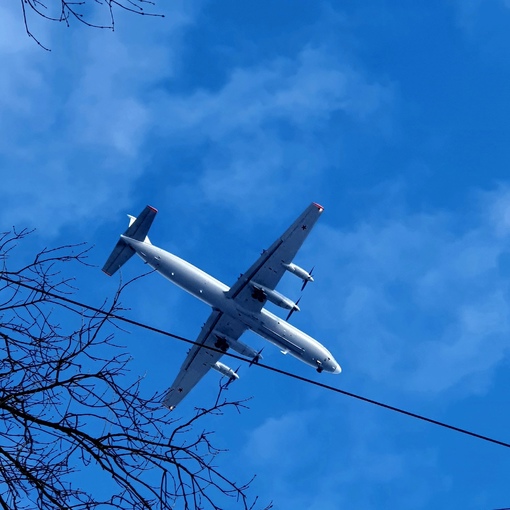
293	309
232	379
257	357
305	282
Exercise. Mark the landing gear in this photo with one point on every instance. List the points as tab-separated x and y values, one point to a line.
259	295
319	366
221	344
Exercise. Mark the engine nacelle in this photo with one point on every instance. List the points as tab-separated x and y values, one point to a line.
238	346
224	370
275	297
299	272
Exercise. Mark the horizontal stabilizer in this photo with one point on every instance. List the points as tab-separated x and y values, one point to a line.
118	257
138	229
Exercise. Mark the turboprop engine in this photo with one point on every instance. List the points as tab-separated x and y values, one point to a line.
223	342
275	297
300	273
224	370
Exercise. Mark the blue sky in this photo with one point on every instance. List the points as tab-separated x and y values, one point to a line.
230	118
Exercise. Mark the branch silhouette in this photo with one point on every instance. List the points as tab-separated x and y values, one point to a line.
69	405
82	12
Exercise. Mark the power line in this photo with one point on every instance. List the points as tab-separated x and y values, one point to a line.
261	365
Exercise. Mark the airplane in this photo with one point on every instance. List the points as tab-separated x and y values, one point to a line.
234	309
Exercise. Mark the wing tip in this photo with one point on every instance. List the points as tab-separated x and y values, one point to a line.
318	206
152	208
166	403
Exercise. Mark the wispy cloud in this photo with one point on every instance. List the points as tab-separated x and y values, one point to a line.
347	448
76	123
466	12
269	444
415	301
266	126
74	120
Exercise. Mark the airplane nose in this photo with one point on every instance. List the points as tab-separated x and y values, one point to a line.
331	365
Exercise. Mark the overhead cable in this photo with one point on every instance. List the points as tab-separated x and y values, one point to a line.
261	365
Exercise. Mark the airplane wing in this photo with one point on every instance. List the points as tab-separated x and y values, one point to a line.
267	272
200	359
269	268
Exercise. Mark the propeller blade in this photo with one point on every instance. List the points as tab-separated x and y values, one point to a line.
293	309
257	357
232	379
305	282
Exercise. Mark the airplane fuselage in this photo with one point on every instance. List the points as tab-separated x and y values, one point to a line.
208	289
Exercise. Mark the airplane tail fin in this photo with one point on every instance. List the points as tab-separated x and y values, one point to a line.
138	229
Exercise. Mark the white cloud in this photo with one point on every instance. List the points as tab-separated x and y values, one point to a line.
303	90
497	211
13	36
467	11
273	444
356	460
417	303
267	125
88	108
74	120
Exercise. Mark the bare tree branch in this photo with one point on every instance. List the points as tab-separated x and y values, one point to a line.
69	405
82	11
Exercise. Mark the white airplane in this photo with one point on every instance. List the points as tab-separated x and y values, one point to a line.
235	309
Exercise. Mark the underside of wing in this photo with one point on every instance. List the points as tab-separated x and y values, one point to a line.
203	356
254	287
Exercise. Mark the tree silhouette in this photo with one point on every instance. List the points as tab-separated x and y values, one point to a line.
70	407
84	11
